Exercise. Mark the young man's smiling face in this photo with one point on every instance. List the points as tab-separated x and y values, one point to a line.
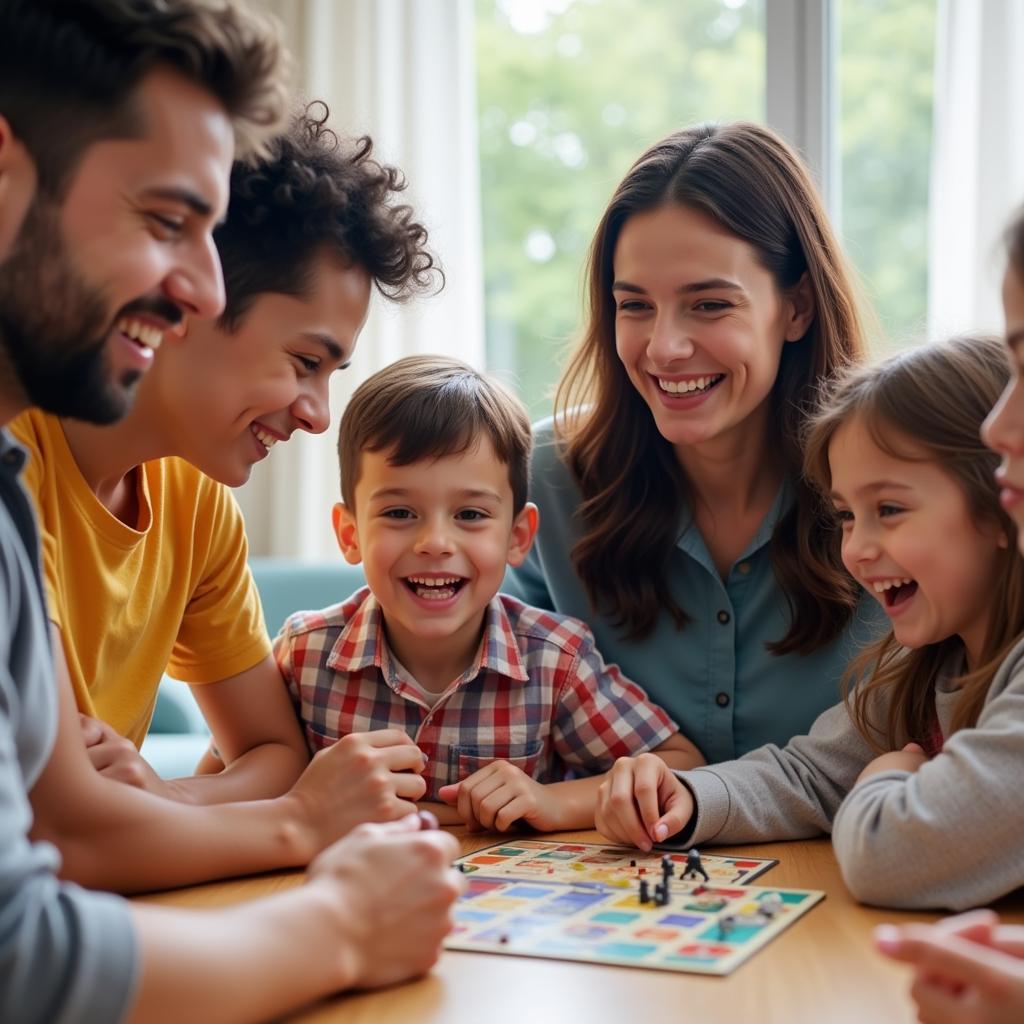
434	538
225	398
910	540
94	278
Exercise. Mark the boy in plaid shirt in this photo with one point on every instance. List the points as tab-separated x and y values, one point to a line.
502	699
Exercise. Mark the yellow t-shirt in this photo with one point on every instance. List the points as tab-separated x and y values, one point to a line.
174	594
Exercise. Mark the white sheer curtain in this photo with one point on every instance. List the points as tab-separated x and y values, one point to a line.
978	159
401	71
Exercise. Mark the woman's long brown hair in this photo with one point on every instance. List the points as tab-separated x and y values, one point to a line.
928	404
635	494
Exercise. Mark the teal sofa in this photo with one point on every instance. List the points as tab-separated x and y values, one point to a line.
178	735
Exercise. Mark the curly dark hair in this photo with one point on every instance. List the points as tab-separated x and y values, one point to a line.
69	70
315	192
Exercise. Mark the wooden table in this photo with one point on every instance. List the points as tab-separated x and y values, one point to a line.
822	970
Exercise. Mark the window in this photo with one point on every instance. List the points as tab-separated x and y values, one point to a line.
886	56
569	94
571	91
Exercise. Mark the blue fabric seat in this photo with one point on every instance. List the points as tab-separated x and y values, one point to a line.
178	735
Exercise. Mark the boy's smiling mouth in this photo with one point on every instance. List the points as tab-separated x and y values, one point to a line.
434	588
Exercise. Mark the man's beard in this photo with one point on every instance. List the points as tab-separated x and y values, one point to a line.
54	326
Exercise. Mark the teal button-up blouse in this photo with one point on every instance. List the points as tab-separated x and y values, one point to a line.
714	676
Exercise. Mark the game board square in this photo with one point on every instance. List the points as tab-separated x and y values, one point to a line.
682	920
527	892
480	887
588	932
615	916
740	933
625	950
703	951
474	916
656	934
706	905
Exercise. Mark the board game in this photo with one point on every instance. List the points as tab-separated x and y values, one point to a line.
616	905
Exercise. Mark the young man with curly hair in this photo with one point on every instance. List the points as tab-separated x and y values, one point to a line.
144	549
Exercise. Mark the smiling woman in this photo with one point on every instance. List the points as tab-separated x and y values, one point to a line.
674	517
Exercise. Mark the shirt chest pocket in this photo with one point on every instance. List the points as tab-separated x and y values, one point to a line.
463	760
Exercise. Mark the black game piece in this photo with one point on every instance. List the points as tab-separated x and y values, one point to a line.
668	869
645	891
693	865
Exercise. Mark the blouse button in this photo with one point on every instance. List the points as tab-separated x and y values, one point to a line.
722	700
723	617
744	567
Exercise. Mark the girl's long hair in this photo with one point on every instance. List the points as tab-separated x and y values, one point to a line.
635	493
927	404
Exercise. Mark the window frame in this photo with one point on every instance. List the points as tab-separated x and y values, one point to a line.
801	97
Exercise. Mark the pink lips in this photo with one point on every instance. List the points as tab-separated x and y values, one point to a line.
1010	496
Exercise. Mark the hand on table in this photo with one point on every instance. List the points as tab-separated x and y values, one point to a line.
367	776
497	796
641	802
118	758
391	887
969	969
909	759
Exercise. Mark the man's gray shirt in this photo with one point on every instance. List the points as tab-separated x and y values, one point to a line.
65	954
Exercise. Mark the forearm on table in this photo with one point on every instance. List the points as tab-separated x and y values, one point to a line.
679	753
576	802
265	771
127	840
251	962
446	814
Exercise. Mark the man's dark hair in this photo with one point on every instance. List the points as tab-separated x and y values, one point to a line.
314	193
69	69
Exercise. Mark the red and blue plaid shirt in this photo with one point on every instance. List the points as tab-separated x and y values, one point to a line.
538	693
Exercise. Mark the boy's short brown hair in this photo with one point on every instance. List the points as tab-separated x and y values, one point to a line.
427	407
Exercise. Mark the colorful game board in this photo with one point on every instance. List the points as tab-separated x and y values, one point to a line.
577	901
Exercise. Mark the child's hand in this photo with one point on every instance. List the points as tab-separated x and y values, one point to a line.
641	802
967	968
365	776
118	758
501	794
909	759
